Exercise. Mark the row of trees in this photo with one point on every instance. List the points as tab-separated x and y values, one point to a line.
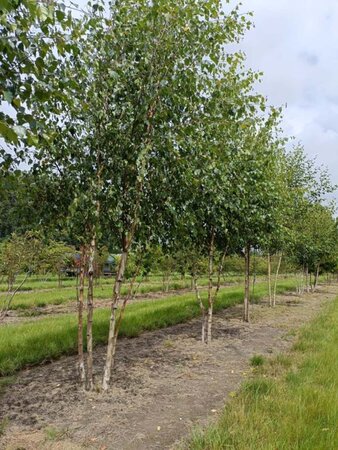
141	127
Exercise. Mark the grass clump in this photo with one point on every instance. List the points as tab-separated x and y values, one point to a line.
257	360
292	403
54	434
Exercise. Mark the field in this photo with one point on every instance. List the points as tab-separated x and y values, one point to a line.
42	293
32	342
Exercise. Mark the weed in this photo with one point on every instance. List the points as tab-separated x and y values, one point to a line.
54	434
257	360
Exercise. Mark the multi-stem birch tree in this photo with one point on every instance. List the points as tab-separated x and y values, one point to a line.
136	92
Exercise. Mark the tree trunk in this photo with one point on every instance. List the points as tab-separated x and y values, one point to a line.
307	287
247	284
80	297
317	276
6	304
269	279
200	302
111	337
167	282
276	279
90	310
210	286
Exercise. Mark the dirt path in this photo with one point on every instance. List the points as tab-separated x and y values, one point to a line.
165	383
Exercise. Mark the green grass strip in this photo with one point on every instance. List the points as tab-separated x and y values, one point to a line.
290	403
36	341
58	296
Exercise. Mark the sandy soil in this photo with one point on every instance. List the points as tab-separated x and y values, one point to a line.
165	383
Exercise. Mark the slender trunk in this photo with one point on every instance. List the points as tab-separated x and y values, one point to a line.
311	284
317	276
90	310
307	287
111	341
276	279
9	297
269	279
247	284
301	291
80	297
202	307
210	285
131	294
163	282
167	282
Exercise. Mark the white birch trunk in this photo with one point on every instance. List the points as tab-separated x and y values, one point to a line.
276	279
114	305
90	311
247	284
80	297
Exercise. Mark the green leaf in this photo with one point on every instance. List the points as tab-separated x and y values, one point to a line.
8	133
60	15
8	96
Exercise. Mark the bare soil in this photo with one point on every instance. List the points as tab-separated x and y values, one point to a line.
165	382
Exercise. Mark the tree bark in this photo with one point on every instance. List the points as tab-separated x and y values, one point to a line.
276	279
247	284
90	310
111	337
202	307
269	279
210	271
80	297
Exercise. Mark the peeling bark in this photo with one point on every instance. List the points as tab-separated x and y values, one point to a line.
80	297
114	305
90	310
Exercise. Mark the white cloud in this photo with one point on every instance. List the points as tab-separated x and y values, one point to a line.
295	44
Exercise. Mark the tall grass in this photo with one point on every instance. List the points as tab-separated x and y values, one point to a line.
58	296
45	339
291	403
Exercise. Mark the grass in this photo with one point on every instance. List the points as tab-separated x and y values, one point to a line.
58	296
290	403
41	340
257	360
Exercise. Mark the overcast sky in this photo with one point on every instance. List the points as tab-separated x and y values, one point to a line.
295	44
